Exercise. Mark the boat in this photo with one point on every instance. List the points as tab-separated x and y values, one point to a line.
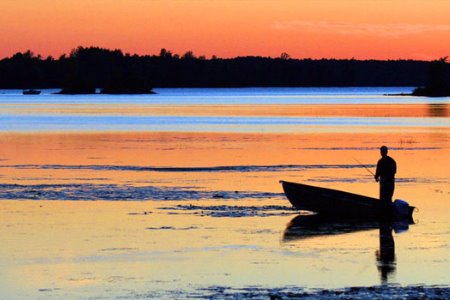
337	203
31	92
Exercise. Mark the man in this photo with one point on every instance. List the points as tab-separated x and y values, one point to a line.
385	174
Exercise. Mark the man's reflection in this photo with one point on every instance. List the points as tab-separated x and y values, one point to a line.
308	226
386	254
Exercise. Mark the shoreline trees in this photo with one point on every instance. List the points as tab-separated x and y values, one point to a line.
112	71
438	80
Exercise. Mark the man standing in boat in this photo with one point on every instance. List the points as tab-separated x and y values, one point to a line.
385	174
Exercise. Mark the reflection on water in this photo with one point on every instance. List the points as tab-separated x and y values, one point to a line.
438	110
386	254
153	210
308	226
223	110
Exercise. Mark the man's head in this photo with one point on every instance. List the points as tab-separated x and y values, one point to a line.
383	151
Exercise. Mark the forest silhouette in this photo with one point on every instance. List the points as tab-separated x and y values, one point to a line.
438	83
87	68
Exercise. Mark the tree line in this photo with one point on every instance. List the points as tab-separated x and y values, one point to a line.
86	68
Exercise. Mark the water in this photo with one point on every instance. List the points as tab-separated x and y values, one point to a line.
220	110
176	195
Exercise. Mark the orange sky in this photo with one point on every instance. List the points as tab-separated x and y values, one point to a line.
379	29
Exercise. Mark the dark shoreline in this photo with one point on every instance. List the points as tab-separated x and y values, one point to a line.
389	291
401	94
113	72
419	92
104	68
93	91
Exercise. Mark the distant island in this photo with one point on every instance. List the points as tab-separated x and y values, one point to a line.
437	84
87	70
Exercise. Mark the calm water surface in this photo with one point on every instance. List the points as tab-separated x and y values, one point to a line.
176	195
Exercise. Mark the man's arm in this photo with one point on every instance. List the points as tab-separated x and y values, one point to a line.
395	167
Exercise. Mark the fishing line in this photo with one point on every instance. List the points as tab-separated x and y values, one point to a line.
363	166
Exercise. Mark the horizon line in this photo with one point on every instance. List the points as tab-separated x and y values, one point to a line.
286	55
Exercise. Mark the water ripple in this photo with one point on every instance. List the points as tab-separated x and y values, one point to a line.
114	192
242	168
235	211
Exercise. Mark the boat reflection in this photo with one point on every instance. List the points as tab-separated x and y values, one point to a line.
308	226
314	225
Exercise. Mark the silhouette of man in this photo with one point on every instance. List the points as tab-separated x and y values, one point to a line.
385	174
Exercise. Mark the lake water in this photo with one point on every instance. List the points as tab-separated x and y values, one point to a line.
177	195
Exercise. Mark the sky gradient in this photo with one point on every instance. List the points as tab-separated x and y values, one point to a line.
363	29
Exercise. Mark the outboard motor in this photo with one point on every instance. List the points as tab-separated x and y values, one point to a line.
401	208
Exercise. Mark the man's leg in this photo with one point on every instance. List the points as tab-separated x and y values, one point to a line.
386	192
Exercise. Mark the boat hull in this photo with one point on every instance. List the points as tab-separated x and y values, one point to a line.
334	202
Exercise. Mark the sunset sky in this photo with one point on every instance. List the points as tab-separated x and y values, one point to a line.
363	29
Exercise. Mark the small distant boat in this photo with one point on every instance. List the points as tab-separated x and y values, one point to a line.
339	203
31	92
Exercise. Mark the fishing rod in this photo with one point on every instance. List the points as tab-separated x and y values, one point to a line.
360	163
